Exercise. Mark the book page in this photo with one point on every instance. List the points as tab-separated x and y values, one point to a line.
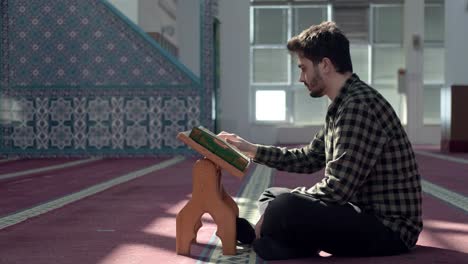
235	166
223	143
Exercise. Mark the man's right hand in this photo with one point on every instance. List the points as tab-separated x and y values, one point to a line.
243	145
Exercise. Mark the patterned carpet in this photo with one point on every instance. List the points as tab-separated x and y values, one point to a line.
119	211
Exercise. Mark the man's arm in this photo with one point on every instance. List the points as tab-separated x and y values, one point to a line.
358	140
241	144
308	159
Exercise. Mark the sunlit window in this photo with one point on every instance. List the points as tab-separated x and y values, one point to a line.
274	76
376	46
271	105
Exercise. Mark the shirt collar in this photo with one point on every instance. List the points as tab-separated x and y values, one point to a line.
342	94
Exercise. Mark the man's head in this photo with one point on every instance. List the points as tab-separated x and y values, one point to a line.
322	50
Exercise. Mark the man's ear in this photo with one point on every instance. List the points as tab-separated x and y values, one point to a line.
326	65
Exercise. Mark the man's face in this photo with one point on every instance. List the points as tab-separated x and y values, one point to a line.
311	77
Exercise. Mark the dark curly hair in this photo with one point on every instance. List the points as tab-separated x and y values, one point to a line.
323	40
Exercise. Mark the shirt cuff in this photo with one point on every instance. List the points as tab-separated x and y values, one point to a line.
260	154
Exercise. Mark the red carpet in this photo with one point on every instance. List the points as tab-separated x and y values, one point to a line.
130	223
436	150
134	222
32	189
8	166
447	174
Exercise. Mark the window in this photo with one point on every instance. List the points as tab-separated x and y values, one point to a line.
278	96
434	59
387	53
376	36
271	105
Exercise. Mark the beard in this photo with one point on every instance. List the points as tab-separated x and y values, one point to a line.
317	84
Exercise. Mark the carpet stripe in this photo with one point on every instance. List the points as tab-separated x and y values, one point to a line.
7	160
60	202
247	202
441	156
453	198
48	168
446	195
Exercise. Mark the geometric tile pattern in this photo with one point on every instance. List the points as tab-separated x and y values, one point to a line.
79	79
74	42
99	124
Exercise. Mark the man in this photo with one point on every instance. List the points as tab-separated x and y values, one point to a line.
369	201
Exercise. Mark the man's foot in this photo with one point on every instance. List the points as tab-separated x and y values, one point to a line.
268	249
245	231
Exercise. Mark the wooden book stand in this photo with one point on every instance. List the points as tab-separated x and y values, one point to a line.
208	196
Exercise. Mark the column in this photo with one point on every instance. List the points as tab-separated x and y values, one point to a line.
413	42
454	97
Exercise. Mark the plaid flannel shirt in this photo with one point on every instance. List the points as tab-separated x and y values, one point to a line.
368	160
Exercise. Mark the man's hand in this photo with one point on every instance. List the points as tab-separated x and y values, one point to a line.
243	145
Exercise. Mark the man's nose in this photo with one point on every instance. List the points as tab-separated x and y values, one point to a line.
301	78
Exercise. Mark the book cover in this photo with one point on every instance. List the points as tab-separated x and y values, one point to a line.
219	147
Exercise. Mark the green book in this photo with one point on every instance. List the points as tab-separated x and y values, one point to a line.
219	147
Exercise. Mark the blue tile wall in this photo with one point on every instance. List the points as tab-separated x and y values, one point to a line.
79	79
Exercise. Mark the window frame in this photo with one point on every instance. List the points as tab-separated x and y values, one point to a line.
431	84
292	83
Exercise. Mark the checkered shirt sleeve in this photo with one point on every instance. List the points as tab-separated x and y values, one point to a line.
308	159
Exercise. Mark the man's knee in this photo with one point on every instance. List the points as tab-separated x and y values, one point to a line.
292	204
280	211
286	210
276	215
282	205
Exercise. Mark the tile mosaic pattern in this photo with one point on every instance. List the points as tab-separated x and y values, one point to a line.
78	79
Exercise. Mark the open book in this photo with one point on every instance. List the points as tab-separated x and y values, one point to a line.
215	148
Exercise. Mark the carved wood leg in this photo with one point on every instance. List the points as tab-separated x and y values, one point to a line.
186	222
230	202
198	225
208	195
225	219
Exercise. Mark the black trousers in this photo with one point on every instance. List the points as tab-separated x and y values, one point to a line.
302	222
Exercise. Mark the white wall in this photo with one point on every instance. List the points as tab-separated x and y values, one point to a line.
188	34
456	42
234	60
129	8
150	17
153	18
235	67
